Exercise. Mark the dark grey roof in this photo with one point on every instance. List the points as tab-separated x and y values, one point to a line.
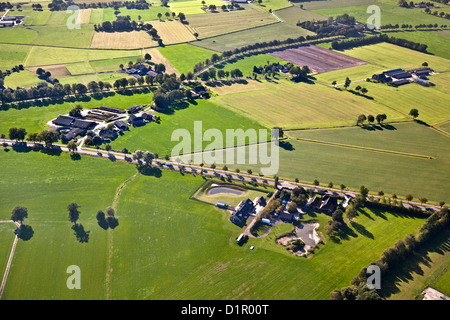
64	121
83	124
120	124
134	108
111	109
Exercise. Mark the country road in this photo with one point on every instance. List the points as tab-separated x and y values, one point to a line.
11	255
243	177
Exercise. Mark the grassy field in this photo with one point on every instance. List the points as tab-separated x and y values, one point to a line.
438	44
213	24
294	14
146	15
247	62
12	55
328	4
390	14
192	6
156	217
39	55
22	79
157	137
389	56
276	31
184	57
302	105
273	4
53	247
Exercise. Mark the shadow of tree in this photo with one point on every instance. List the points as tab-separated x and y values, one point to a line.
361	230
408	268
26	232
80	233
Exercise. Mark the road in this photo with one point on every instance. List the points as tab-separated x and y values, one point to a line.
243	177
11	255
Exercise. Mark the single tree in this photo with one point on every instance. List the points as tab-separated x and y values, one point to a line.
74	213
19	213
72	146
414	113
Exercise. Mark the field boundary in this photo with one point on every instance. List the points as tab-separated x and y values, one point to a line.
335	144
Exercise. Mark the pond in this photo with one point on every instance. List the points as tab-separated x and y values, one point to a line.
217	190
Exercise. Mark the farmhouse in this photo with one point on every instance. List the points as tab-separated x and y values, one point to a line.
200	91
141	70
107	134
327	204
243	211
72	134
111	109
134	109
67	121
122	126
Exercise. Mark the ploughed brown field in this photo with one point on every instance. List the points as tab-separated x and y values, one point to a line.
317	58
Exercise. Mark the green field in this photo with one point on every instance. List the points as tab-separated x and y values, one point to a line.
12	55
247	62
301	105
184	56
376	169
157	137
276	31
438	44
294	14
273	4
40	55
21	79
390	14
192	6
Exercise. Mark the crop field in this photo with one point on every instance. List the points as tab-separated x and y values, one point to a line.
157	137
172	31
184	57
302	105
294	14
192	6
21	79
213	24
273	4
389	56
122	40
390	14
437	43
146	15
328	4
317	59
276	31
40	55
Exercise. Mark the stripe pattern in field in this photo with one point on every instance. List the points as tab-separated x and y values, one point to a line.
122	40
317	58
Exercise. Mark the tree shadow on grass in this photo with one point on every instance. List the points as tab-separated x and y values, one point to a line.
25	232
407	269
149	170
80	233
361	230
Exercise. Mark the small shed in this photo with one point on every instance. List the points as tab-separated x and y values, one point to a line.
221	205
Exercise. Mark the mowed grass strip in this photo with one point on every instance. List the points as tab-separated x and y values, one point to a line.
301	105
213	24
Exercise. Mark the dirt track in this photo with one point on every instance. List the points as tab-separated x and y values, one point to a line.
317	58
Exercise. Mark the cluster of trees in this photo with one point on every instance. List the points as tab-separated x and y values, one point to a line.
59	5
108	220
395	256
334	227
441	14
19	134
36	6
3	75
211	74
125	24
6	5
370	118
343	25
351	43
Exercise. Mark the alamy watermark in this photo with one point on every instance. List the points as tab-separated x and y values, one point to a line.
74	280
374	280
219	153
374	21
73	21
